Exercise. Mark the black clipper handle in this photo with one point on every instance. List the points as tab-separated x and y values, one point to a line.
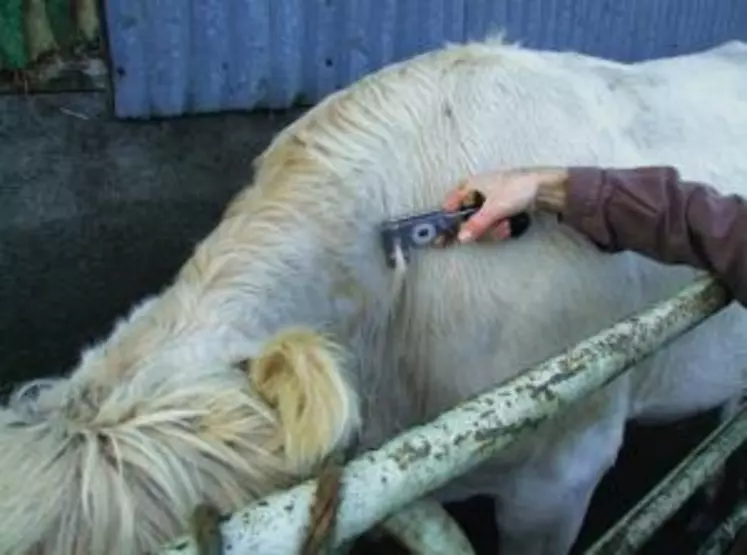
437	227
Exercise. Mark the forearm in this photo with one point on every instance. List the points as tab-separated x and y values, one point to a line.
653	212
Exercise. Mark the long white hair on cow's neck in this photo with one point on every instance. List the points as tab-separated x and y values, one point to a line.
160	415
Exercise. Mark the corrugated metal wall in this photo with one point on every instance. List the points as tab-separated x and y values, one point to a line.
174	57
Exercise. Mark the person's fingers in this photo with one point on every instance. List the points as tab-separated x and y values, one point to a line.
496	232
455	198
481	221
500	231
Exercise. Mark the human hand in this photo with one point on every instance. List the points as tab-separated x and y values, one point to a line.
506	193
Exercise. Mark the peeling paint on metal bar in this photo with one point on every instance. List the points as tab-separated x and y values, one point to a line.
723	537
637	526
381	482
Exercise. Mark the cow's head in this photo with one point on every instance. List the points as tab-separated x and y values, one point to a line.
117	466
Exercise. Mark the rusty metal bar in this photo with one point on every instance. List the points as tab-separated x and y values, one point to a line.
379	483
722	538
636	527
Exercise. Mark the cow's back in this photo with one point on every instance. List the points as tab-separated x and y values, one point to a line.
476	314
472	316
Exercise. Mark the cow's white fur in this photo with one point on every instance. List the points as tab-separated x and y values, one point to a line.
160	415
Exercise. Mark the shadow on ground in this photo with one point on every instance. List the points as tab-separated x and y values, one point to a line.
95	214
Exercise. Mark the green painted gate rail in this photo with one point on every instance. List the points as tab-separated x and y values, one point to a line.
51	45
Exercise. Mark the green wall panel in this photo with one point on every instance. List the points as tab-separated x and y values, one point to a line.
12	47
54	28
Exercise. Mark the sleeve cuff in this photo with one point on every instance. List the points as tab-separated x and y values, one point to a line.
583	189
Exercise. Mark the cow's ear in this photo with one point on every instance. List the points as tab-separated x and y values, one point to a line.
301	375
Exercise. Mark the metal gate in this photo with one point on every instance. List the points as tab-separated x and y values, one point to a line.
387	486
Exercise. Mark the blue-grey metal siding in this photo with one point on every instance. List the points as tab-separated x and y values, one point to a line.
173	57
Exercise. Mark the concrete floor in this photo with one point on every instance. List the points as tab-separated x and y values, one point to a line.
96	213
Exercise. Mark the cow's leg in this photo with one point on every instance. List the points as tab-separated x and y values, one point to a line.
541	504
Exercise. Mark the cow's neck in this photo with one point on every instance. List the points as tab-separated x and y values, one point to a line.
245	284
254	275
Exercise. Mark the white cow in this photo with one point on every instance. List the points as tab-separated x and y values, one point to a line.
161	415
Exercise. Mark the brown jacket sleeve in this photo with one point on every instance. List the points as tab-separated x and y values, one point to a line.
650	210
